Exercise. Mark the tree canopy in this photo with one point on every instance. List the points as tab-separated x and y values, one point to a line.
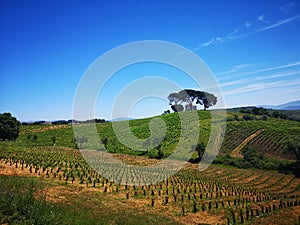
9	127
191	98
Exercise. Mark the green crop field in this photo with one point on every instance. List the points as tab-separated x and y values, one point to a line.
53	184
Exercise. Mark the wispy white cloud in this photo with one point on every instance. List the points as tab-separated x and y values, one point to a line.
261	86
249	80
248	24
245	33
265	81
287	20
289	65
260	24
263	75
251	87
262	19
235	69
208	43
212	41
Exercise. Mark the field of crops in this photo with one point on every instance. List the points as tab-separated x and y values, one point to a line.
223	195
272	141
231	195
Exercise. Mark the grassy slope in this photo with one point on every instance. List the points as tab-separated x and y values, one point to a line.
22	201
271	142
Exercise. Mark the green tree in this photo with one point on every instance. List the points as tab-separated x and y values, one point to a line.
191	98
9	127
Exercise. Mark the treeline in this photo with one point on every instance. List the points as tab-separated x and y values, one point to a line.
260	111
59	122
263	113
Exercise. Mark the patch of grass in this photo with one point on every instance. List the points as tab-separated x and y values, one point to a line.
20	204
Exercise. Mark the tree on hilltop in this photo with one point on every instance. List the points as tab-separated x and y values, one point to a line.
191	98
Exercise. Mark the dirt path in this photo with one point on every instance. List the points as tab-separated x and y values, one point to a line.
237	151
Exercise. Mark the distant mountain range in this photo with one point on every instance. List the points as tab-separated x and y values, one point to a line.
295	105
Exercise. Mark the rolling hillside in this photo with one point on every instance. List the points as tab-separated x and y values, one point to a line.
273	140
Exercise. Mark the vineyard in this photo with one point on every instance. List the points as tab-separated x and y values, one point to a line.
272	141
223	195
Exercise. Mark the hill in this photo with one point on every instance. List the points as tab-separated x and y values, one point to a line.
295	105
274	139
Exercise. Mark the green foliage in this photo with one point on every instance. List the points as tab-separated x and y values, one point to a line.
200	149
293	146
9	127
248	117
260	111
277	140
190	97
253	159
272	141
19	204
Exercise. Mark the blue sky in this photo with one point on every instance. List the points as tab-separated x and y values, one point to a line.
252	47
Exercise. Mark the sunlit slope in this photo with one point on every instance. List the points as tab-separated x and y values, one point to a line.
273	135
270	137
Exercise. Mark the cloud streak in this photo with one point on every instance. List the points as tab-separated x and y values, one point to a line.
261	86
263	82
232	71
261	24
211	41
235	69
287	20
242	81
